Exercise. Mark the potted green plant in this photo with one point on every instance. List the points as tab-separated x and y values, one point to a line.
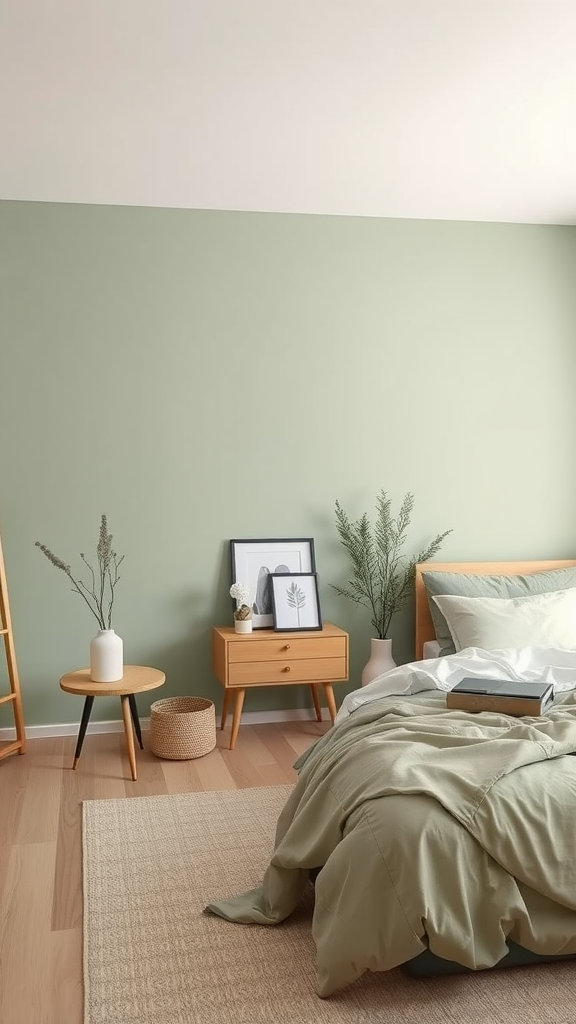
382	576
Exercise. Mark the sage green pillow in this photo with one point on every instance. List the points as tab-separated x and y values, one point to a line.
471	585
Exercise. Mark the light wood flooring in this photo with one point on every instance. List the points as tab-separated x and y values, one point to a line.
40	845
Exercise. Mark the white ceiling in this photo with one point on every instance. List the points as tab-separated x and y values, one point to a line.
453	109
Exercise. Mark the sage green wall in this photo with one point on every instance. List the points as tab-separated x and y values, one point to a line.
206	375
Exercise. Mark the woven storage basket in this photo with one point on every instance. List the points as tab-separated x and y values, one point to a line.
182	727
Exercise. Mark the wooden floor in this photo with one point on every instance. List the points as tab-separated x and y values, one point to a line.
40	845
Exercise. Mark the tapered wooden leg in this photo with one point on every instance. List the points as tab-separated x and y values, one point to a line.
330	700
82	730
126	715
316	700
135	719
236	717
225	707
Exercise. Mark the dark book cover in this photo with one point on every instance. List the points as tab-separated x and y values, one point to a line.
505	688
502	696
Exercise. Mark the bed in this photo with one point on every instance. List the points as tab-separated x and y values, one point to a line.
438	839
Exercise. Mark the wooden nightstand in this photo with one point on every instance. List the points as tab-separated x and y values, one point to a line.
267	658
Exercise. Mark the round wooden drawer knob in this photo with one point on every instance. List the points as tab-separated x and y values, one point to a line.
287	647
287	668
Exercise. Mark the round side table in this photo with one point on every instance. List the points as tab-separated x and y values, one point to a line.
136	679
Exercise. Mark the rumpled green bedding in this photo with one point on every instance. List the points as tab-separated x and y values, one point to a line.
434	828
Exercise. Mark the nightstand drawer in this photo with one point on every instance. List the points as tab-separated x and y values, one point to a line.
279	673
287	649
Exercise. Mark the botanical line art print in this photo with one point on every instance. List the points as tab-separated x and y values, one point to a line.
296	598
295	601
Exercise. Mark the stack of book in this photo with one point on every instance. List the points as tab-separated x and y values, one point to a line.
503	696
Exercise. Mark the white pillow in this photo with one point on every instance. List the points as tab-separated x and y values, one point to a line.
492	623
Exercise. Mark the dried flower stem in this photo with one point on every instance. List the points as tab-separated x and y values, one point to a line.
101	591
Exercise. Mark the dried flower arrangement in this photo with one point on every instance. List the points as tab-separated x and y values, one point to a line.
100	595
241	595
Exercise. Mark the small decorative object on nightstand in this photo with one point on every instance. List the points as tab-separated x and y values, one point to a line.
243	610
269	658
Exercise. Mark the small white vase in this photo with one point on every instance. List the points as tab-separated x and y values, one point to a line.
243	625
106	657
380	660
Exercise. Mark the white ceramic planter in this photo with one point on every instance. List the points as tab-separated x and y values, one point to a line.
106	657
243	625
380	660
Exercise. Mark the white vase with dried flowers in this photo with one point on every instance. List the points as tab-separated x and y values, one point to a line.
243	611
106	648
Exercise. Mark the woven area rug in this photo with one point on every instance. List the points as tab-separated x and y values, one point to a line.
151	956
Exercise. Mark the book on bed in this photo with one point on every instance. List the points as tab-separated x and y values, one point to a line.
504	696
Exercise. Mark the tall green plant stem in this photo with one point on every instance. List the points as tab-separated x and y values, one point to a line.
382	577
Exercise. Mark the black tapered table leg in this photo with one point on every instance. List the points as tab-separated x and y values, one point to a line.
135	719
83	726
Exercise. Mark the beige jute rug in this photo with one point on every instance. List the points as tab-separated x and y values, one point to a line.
151	956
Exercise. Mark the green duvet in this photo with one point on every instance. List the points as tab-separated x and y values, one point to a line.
434	829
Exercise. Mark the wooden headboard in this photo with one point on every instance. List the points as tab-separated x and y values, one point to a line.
424	625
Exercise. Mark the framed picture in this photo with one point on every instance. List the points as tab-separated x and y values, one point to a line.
295	601
253	561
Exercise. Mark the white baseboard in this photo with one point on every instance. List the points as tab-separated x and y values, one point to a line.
34	732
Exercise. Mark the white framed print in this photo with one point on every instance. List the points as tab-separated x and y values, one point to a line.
295	601
253	561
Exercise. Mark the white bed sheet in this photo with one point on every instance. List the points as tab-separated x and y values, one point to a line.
524	664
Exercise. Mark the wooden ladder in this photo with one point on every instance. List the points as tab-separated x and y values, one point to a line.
14	697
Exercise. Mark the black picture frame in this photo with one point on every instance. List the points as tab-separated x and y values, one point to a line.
295	602
252	561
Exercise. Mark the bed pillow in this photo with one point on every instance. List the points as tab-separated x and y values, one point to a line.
476	585
493	623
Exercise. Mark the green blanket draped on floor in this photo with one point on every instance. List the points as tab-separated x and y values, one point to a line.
434	829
